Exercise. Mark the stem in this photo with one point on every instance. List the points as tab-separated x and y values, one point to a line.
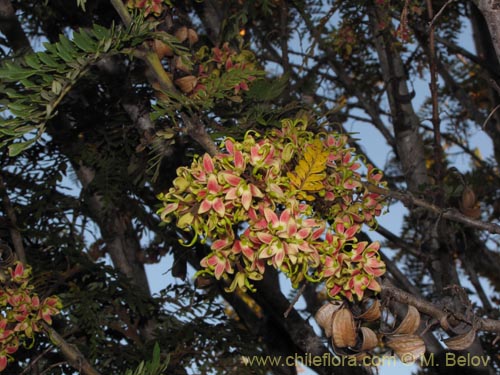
122	11
294	300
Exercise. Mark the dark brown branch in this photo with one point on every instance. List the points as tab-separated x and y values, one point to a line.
74	357
438	151
447	213
197	131
12	29
15	235
491	13
441	315
438	14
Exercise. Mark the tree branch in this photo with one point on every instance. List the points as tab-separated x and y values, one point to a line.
440	314
12	29
447	213
74	357
17	240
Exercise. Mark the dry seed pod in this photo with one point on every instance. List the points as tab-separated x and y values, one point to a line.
192	36
343	329
324	316
407	347
410	323
182	34
461	342
186	84
468	198
179	64
162	49
372	313
369	339
473	213
469	205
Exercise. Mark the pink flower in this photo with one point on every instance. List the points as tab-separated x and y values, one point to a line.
217	263
242	86
212	203
3	361
18	274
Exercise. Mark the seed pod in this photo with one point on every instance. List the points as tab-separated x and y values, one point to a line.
372	313
343	329
369	339
182	34
468	198
324	316
162	49
186	84
469	205
461	342
407	347
179	64
410	323
192	36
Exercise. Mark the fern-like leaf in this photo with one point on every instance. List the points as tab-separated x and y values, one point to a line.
309	173
32	88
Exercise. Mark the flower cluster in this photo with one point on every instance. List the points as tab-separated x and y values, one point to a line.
22	312
223	70
293	200
149	6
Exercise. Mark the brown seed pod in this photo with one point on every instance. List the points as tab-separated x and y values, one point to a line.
179	64
410	323
162	49
372	313
407	347
324	316
369	339
469	204
186	84
468	198
192	36
473	213
343	329
182	34
461	342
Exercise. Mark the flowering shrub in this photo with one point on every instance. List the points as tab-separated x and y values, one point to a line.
22	312
293	200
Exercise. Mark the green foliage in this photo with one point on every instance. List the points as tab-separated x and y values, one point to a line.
153	367
35	86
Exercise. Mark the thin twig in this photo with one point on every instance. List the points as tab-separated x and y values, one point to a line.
33	362
448	213
490	116
438	14
17	240
436	123
294	300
